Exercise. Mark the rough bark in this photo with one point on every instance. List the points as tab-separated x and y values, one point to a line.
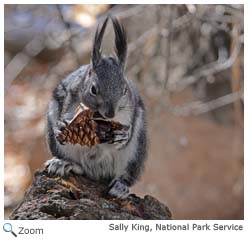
79	198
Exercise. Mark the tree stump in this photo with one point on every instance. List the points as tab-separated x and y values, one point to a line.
79	198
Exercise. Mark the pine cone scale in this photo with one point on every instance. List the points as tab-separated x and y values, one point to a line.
84	130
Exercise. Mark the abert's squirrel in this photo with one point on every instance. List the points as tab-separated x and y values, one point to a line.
102	86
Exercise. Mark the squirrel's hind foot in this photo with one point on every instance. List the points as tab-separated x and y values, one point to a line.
61	167
118	189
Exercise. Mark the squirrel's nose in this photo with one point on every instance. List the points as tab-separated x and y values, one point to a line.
110	113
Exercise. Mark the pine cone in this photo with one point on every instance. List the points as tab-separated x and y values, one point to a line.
83	129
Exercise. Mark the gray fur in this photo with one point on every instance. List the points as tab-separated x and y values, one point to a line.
120	163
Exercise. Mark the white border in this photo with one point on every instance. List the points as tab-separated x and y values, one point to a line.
77	229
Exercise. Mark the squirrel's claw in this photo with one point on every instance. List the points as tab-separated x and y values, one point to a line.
61	168
121	138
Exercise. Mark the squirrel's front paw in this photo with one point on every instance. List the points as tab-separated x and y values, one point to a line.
118	189
61	167
60	125
121	138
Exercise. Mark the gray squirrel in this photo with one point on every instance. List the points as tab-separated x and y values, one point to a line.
104	88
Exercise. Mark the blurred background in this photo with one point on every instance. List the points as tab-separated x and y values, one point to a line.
187	61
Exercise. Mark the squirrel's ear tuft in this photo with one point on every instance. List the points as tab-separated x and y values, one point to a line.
120	41
96	52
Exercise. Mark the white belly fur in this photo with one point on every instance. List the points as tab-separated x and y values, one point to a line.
103	161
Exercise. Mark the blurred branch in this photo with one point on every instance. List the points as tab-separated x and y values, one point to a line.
198	107
206	70
70	34
21	60
132	11
168	46
176	25
140	40
235	10
236	76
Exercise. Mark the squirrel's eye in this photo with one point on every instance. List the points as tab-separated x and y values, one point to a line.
93	90
125	91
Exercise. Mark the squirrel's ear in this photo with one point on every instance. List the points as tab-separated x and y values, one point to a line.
120	41
96	52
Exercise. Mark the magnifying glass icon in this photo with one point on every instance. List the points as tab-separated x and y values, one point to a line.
7	227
